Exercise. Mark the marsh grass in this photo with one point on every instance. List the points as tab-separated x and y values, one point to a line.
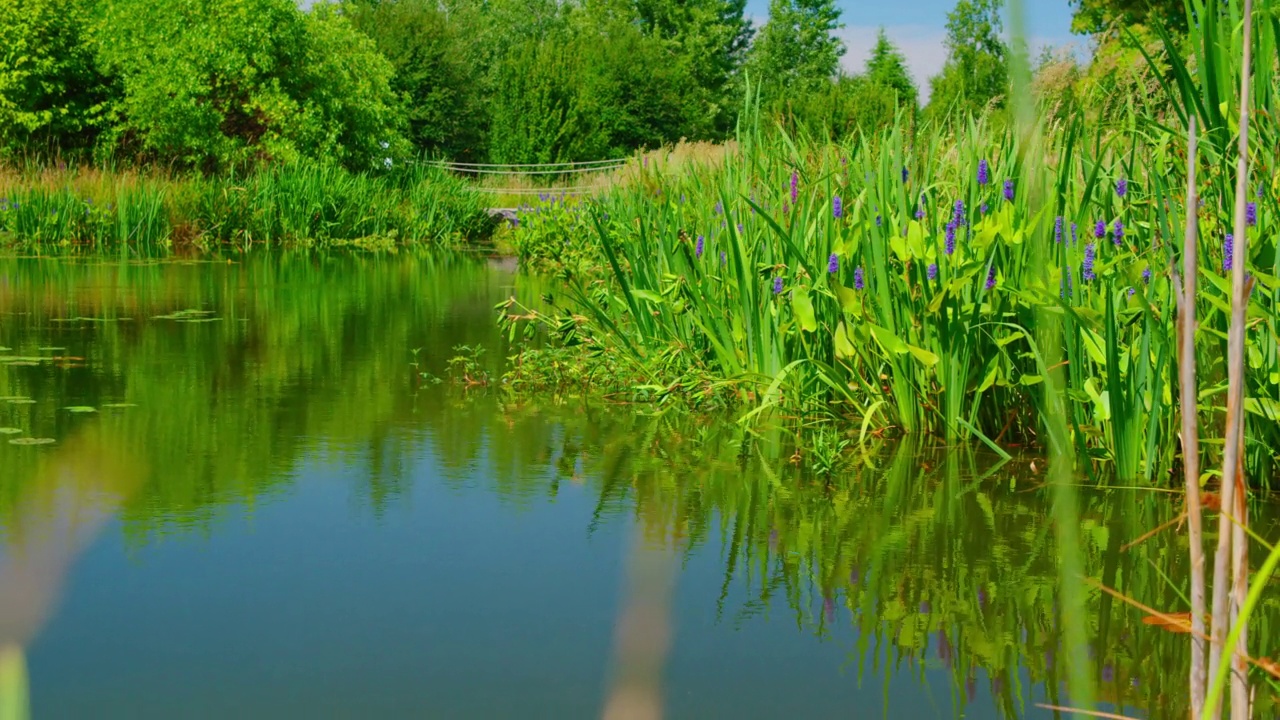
140	213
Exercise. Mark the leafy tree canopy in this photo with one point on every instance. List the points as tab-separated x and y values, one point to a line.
796	50
224	83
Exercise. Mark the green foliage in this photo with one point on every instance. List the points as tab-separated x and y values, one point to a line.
296	204
1112	16
888	69
52	94
877	315
437	82
711	38
598	88
228	83
976	74
795	51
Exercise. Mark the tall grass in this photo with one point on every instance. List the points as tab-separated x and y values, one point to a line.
45	211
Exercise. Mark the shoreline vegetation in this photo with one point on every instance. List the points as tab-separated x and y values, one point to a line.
139	213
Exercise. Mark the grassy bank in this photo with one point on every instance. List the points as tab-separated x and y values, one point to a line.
48	210
900	281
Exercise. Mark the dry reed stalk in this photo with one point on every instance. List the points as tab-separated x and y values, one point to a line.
1190	432
1240	287
1232	544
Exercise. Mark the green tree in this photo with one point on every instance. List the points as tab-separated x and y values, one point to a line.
795	51
888	69
976	74
1105	16
709	37
436	80
850	105
51	91
224	83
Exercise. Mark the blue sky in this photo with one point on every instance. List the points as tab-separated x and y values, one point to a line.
918	27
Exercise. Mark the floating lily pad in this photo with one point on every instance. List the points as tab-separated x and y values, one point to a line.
21	401
23	363
10	431
32	441
80	409
115	406
5	349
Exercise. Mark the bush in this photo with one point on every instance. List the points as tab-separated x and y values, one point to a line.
219	84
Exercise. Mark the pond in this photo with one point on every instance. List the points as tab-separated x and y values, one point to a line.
232	489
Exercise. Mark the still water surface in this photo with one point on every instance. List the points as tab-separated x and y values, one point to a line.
269	513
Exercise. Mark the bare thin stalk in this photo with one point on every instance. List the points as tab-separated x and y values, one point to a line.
1235	401
1190	431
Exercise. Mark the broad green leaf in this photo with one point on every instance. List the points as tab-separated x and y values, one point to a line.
802	306
929	359
890	342
844	348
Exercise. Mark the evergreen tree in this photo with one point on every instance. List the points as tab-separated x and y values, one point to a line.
795	51
888	69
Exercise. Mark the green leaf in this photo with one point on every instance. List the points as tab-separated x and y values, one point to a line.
929	359
802	306
844	348
890	342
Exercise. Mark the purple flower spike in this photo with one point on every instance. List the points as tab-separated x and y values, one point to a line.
933	271
1090	256
777	285
1122	187
983	209
920	213
905	175
698	250
1008	189
833	264
724	259
984	172
837	207
991	277
857	278
958	215
1100	229
878	221
1251	214
951	237
1074	239
1228	249
795	186
1146	276
1118	231
1057	230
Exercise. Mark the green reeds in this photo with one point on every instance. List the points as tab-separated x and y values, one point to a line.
85	209
887	315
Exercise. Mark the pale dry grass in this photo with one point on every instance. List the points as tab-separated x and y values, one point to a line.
684	156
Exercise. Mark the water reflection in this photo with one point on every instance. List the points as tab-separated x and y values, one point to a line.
239	391
76	491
